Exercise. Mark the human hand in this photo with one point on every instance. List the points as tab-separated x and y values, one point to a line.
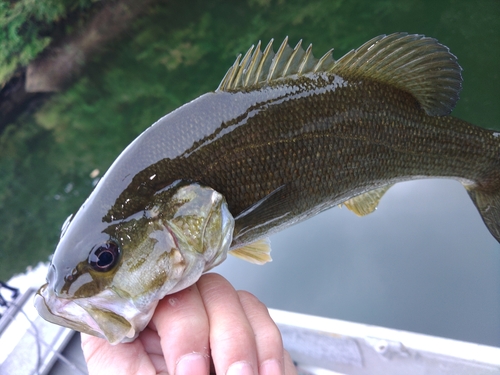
209	320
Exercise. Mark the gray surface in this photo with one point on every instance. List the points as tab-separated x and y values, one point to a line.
423	262
74	363
29	344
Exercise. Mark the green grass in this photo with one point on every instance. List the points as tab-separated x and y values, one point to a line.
28	26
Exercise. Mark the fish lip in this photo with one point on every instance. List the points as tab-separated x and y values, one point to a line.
82	315
49	307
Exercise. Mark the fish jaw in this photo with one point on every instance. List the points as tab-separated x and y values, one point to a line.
116	319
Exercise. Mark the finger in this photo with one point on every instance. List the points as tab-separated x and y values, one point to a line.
152	345
182	324
267	335
290	368
232	339
121	359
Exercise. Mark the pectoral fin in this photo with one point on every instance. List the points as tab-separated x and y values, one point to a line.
367	202
257	252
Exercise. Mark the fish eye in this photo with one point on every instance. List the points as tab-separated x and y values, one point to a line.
104	257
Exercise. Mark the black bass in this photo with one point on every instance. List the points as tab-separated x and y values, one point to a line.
284	137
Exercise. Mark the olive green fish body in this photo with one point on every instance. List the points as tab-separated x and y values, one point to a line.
307	144
284	137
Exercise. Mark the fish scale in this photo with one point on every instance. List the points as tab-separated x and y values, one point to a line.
401	142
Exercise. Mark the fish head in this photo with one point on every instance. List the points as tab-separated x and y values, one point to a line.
107	282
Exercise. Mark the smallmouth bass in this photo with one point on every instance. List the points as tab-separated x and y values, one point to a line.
284	137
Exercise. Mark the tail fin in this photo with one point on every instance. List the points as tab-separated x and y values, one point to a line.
488	204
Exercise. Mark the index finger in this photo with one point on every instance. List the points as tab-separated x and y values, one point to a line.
121	359
182	324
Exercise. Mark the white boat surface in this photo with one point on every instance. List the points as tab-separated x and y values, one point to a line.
318	346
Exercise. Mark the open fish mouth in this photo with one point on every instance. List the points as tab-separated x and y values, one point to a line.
83	316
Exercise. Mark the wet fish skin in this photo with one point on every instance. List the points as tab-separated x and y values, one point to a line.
314	151
284	137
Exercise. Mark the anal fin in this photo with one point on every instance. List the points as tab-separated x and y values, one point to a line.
366	203
257	252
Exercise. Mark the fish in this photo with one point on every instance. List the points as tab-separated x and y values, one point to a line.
283	137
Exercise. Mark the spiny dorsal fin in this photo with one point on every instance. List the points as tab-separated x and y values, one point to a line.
258	67
414	63
258	252
366	203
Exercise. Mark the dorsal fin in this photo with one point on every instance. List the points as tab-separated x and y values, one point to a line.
257	68
414	63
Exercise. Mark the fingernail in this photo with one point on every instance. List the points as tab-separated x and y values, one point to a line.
240	368
270	367
193	363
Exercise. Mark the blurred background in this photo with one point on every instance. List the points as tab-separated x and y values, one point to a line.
79	80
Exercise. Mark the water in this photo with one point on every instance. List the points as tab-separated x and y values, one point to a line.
423	262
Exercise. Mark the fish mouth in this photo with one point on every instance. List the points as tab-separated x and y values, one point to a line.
94	316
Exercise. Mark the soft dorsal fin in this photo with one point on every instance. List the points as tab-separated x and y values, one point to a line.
414	63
